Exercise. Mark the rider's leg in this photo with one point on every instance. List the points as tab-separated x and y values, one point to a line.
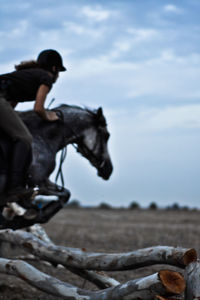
2	182
14	127
19	165
3	169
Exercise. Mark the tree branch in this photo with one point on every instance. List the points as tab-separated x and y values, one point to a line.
164	283
100	279
79	259
192	276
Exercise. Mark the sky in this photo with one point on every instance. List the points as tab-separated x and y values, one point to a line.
140	61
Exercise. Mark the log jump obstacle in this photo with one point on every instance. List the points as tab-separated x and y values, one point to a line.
165	284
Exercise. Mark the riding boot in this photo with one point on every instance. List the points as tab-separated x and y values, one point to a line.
20	163
3	178
2	182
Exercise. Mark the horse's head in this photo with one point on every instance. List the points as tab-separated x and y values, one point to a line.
93	144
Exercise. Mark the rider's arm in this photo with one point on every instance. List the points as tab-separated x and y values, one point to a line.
39	104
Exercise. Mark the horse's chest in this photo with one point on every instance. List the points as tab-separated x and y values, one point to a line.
43	155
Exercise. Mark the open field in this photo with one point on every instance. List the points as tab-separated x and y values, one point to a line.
108	231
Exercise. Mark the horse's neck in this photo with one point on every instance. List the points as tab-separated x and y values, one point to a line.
58	135
75	123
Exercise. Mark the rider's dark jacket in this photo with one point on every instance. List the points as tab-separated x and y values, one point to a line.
22	85
19	86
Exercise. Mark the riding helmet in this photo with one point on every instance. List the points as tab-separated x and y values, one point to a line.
49	58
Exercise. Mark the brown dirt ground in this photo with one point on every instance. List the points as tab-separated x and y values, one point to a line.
107	231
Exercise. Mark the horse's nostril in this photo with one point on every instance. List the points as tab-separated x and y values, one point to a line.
106	170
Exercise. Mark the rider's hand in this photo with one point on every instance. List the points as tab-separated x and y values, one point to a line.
39	105
51	116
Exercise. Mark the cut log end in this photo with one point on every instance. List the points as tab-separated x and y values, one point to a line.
172	281
189	256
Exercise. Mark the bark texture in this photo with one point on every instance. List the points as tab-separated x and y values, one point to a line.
192	276
79	259
145	288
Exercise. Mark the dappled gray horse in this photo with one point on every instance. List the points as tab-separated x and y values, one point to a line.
84	128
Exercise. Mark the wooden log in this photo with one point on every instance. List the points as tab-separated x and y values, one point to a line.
39	232
35	229
164	282
80	259
40	280
100	279
192	277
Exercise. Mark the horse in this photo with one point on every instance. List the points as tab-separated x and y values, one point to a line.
86	129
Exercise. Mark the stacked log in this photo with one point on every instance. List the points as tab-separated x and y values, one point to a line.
192	277
165	284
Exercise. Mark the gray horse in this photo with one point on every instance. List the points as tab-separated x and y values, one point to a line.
84	128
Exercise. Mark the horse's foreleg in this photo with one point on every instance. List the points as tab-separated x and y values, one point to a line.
42	216
48	211
49	188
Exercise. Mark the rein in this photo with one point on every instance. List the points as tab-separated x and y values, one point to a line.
60	171
64	149
63	152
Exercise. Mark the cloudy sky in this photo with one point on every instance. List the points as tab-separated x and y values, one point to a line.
140	61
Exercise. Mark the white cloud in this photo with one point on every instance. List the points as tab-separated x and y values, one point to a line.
166	77
83	30
19	30
119	48
127	43
96	14
172	9
142	34
174	117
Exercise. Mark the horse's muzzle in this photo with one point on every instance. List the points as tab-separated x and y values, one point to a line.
105	169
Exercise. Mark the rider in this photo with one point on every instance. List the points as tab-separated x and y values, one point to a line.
32	80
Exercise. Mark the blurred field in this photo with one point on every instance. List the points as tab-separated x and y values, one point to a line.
109	231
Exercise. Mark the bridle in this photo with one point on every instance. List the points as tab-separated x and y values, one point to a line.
79	146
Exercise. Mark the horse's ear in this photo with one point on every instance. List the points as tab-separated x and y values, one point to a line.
100	117
99	112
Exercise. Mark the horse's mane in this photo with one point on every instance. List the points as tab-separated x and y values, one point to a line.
28	113
30	117
84	108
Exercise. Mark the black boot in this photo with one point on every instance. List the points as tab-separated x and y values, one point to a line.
20	163
3	178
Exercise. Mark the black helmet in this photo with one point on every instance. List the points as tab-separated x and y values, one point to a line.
49	58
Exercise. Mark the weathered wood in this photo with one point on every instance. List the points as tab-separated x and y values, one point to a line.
192	276
77	258
35	229
164	282
100	279
40	280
